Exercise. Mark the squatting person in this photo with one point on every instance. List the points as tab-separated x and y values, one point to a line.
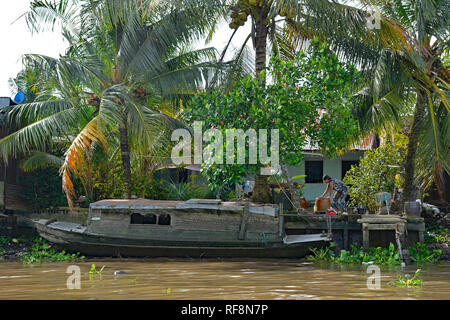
341	192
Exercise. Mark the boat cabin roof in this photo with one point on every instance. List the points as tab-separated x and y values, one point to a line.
211	204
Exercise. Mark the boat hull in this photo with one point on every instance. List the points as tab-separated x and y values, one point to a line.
75	239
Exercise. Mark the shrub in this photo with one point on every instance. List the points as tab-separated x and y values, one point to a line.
186	190
375	173
420	254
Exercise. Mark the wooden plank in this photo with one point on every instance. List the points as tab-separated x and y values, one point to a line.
245	215
281	231
378	226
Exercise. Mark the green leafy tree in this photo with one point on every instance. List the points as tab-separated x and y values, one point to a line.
376	172
413	72
126	72
309	102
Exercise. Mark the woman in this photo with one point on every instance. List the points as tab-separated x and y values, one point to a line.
341	192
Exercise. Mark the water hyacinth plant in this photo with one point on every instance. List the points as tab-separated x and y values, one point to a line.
420	254
407	281
41	252
94	271
379	256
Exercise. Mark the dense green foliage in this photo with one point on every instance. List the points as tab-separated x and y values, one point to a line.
380	256
420	254
4	240
187	190
42	189
437	235
41	251
375	173
315	85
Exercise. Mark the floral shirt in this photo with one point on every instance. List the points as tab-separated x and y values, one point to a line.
339	186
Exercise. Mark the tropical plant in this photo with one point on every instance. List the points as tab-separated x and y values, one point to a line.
407	281
411	80
305	85
93	271
378	255
286	25
376	172
42	189
185	191
41	251
5	240
127	70
437	235
420	254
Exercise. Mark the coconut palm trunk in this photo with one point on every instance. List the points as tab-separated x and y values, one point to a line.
261	189
260	46
408	190
125	153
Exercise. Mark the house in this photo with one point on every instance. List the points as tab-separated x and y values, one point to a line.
316	165
9	174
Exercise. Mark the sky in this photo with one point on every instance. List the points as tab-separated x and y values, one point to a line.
17	40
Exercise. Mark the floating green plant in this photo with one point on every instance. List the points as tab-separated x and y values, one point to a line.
41	251
407	281
380	256
94	271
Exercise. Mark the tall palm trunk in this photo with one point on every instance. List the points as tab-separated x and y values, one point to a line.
261	31
261	189
125	153
408	190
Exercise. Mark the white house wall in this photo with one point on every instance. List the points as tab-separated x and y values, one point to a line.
331	167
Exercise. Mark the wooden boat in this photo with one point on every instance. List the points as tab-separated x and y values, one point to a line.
195	228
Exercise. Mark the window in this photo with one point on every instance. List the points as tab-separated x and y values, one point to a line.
313	171
346	165
164	219
137	218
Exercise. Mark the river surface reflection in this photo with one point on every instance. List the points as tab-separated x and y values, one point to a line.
215	279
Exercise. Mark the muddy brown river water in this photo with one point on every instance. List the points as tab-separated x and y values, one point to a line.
216	279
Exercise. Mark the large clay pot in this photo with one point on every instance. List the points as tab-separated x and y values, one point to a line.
322	204
412	209
303	203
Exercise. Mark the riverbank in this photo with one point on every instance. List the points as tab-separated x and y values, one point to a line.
13	249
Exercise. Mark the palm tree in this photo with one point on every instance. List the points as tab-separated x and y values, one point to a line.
128	61
416	75
285	25
404	63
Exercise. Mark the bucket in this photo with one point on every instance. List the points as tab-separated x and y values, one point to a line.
303	203
412	209
322	204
